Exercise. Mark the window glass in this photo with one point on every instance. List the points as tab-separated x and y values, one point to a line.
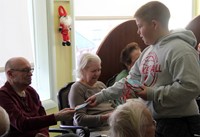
15	31
106	7
24	37
89	38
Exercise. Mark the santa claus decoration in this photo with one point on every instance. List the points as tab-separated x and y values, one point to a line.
65	26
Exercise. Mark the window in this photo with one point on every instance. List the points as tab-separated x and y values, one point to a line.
31	37
95	18
11	26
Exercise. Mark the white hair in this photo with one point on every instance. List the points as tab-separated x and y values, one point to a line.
4	122
85	59
128	120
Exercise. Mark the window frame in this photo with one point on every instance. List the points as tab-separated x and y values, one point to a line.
43	35
42	39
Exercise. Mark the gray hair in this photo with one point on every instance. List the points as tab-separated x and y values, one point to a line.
128	120
85	59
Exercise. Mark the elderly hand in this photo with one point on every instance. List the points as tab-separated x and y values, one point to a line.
64	114
105	117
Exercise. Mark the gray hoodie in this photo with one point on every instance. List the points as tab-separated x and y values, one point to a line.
171	72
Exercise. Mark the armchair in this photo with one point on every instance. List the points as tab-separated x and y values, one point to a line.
64	103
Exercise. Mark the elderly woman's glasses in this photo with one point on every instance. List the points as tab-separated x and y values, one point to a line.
26	70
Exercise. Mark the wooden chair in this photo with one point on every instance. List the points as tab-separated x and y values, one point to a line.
194	26
126	32
110	49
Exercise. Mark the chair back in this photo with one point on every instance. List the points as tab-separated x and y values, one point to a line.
111	47
67	125
63	101
111	80
194	26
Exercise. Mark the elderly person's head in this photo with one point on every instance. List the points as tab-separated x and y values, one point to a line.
132	119
89	68
18	71
4	122
130	54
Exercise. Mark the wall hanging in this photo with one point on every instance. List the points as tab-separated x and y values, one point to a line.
65	26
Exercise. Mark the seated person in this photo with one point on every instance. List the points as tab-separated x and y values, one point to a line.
128	57
89	70
132	119
4	122
22	103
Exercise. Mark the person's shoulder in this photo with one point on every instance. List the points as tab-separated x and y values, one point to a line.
30	90
3	89
76	84
100	84
180	39
124	72
77	87
6	89
4	92
121	75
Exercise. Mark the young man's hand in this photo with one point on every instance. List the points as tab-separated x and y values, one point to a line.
92	101
142	93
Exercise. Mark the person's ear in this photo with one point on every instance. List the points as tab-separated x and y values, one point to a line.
9	73
155	24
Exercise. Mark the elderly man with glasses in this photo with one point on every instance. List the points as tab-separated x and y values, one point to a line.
22	103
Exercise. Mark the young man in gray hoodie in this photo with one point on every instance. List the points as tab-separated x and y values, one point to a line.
169	72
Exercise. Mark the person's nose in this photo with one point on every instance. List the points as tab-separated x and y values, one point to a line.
30	73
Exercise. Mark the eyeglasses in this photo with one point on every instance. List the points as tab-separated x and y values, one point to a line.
26	70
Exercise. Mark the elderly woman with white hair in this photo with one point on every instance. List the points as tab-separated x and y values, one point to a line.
132	119
89	70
